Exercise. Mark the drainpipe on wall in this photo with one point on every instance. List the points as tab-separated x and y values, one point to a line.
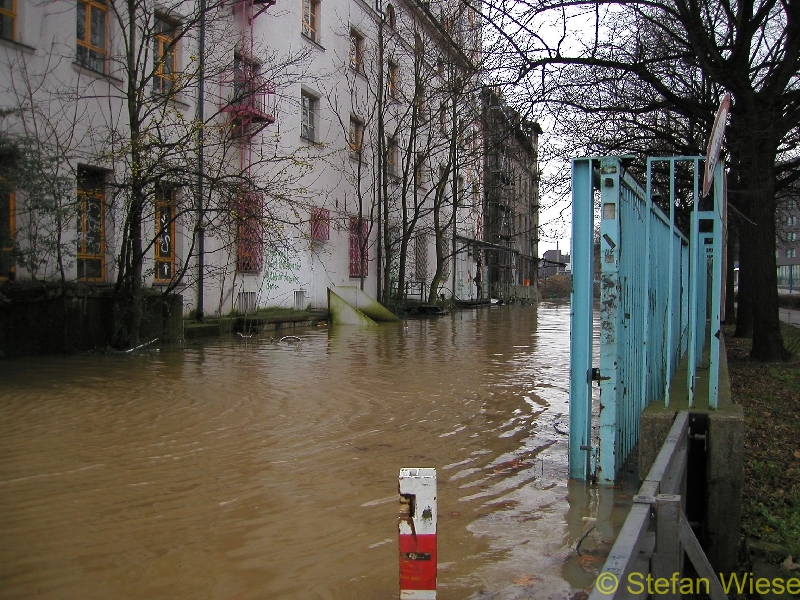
200	227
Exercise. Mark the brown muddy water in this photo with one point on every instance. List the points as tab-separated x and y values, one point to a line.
250	468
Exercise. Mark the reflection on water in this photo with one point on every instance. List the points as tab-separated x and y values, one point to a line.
260	469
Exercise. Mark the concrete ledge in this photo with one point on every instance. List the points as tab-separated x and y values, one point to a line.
724	456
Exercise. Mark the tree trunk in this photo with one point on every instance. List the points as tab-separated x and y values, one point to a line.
438	246
744	312
757	257
733	238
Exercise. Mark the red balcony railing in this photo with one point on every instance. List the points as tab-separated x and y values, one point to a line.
250	103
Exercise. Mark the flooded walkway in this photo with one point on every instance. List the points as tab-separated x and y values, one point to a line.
250	468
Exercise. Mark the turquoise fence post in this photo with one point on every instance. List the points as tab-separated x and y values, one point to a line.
609	316
694	240
580	387
670	302
645	295
716	287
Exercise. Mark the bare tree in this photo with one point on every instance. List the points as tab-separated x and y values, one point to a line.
127	113
669	61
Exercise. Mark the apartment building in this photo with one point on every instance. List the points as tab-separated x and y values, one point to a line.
511	210
242	153
788	245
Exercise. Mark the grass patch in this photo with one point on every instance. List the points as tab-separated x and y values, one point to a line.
770	396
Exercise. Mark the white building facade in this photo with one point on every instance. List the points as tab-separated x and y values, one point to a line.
241	153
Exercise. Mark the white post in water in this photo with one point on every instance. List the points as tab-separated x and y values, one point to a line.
417	534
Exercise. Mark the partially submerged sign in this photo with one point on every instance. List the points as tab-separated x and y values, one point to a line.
715	142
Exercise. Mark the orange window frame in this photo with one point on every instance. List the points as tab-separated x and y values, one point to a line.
391	80
420	99
356	52
165	55
164	248
391	156
90	6
11	14
12	227
310	18
419	170
85	198
356	136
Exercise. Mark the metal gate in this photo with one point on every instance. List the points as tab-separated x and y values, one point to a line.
656	289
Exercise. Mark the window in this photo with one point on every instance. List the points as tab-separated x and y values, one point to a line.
356	52
91	226
7	227
791	221
164	56
359	259
419	170
791	236
391	80
320	224
8	18
391	18
444	175
355	136
92	34
791	253
247	85
421	257
391	156
165	234
310	20
308	110
419	99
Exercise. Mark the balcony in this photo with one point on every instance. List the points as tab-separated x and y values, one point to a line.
235	3
251	103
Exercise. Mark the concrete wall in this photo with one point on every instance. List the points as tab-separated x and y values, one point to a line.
42	320
721	493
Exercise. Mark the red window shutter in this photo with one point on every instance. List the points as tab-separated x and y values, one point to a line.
320	224
358	263
250	234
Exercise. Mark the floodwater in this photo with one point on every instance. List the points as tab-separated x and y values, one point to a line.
255	468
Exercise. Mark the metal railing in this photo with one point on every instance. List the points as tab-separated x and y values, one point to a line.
655	286
654	537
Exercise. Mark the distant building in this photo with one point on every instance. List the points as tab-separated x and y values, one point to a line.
554	262
788	245
511	201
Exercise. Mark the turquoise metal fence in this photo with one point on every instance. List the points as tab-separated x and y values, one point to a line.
656	285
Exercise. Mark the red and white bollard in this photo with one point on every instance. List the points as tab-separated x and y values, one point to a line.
417	534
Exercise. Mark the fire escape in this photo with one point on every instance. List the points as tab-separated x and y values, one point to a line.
500	230
248	106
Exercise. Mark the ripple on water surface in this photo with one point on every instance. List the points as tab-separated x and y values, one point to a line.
259	469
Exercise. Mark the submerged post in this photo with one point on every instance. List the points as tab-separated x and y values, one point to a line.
417	534
580	387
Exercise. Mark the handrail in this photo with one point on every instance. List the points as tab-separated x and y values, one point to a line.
640	550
